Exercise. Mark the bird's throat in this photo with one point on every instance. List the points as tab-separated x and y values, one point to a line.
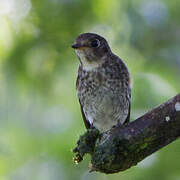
87	63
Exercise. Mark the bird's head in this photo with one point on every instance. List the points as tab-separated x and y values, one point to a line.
91	50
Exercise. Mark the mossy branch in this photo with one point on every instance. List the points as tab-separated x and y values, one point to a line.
125	146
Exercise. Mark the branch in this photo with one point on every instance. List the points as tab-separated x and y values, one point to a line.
125	146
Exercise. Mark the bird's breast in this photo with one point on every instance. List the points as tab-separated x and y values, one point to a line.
103	96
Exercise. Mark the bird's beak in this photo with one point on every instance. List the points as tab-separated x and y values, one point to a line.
76	46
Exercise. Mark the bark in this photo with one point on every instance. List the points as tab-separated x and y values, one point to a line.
125	146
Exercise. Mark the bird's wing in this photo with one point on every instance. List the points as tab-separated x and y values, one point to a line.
125	74
128	116
129	99
86	122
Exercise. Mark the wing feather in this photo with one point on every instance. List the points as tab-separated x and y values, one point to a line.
86	122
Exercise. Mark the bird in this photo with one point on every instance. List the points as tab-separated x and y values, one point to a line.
103	84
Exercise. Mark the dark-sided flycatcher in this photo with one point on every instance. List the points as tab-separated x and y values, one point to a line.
103	83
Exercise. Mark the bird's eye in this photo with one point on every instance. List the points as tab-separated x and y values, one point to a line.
95	43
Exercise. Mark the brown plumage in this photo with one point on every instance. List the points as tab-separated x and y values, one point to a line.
103	83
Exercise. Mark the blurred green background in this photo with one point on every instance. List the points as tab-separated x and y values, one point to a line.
40	119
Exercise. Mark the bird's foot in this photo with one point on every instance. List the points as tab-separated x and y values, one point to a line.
117	125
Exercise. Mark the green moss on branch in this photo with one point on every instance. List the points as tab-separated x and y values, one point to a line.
125	146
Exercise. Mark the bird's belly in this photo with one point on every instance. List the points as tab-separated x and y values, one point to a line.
101	110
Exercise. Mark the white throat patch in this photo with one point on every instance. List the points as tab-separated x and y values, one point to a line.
88	66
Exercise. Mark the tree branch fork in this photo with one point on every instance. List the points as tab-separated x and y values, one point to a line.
122	147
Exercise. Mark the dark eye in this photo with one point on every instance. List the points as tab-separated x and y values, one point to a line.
95	43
